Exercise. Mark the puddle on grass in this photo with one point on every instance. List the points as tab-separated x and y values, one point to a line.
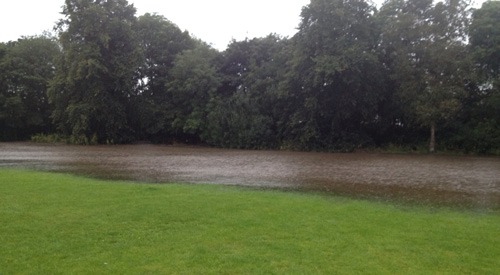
468	181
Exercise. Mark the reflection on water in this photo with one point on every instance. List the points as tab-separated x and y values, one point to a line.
464	180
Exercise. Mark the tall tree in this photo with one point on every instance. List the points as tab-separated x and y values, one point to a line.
160	42
480	121
336	77
194	82
3	91
485	38
95	77
246	110
426	45
26	68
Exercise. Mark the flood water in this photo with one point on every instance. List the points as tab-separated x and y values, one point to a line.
457	180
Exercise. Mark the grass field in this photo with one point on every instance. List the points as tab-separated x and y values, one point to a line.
53	224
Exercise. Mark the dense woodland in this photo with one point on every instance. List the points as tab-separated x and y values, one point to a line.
412	73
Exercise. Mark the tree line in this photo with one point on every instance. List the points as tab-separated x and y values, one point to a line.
412	73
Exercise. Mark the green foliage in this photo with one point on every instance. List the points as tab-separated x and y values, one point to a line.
352	77
160	43
194	82
485	37
246	111
477	127
26	67
94	79
52	223
49	138
424	43
334	85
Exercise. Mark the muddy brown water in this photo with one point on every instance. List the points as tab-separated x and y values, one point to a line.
458	180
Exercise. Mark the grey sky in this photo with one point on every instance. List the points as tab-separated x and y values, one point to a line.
215	21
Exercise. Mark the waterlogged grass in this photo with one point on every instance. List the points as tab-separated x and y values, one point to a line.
53	223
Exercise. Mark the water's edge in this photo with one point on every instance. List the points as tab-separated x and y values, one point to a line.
460	180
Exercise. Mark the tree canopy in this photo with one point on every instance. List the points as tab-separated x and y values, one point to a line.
413	73
94	79
26	68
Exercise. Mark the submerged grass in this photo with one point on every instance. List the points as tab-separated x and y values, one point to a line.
54	223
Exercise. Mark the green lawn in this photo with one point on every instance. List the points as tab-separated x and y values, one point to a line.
61	224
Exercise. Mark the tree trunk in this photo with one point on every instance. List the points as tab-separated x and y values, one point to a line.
432	142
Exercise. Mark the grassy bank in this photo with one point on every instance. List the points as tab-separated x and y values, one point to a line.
53	223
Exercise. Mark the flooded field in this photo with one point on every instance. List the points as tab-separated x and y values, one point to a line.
457	180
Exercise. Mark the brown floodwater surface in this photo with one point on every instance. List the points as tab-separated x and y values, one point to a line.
463	180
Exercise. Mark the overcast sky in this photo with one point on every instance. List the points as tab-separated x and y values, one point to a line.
216	22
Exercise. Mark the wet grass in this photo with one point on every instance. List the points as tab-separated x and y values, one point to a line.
54	223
